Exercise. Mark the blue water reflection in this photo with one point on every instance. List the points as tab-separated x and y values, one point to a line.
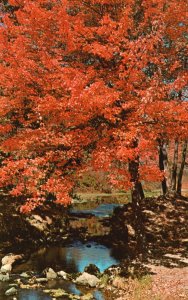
103	210
98	295
81	255
33	295
72	258
39	295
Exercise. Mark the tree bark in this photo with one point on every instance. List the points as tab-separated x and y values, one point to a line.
163	163
137	196
141	190
174	168
181	170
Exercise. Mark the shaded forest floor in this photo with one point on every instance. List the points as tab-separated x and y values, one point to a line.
165	223
165	261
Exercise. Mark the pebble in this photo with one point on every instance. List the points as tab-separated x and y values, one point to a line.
24	275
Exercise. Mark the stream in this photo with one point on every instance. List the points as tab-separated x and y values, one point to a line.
71	258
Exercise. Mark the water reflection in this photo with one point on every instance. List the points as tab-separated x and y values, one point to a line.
103	210
30	294
98	295
82	255
39	295
73	258
33	295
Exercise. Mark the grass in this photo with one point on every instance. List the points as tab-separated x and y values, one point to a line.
114	196
143	288
92	200
95	195
135	289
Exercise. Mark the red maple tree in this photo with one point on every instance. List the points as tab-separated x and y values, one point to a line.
97	79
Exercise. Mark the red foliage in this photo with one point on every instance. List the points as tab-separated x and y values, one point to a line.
89	78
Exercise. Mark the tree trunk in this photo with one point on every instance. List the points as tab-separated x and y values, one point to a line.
163	163
181	170
141	190
174	169
137	196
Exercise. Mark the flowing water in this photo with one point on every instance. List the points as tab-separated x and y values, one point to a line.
72	259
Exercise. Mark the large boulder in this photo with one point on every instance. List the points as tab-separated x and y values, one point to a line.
50	273
87	279
39	223
8	261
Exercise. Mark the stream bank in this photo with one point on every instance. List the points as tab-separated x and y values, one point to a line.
95	236
81	242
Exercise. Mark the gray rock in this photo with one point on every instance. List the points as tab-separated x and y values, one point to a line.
13	285
87	279
6	268
184	260
38	218
63	274
8	261
25	275
50	273
37	222
10	292
4	277
41	280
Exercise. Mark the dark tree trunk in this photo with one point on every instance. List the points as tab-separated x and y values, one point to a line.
141	191
174	169
137	196
181	170
163	161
